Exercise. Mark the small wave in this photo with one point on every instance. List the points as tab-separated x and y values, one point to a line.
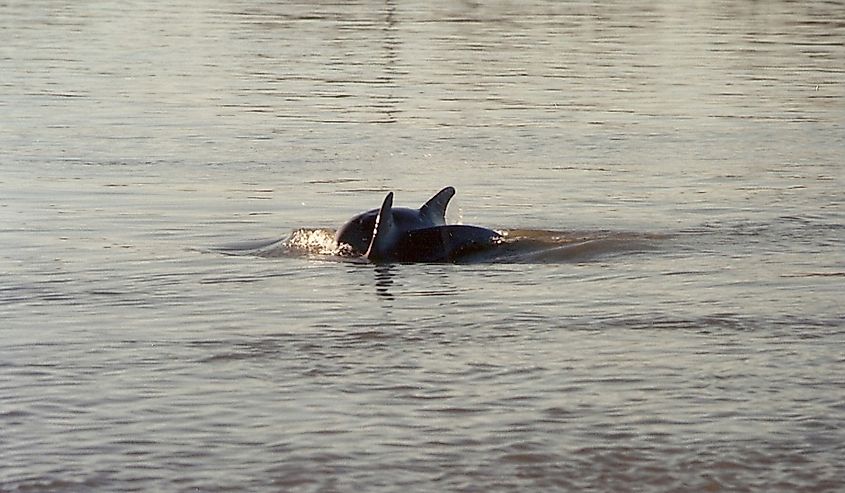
544	246
245	248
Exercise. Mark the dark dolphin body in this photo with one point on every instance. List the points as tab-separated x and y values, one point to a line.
391	234
357	233
447	243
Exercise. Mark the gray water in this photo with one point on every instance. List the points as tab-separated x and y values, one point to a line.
138	137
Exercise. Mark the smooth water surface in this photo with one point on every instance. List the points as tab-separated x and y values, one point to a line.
139	137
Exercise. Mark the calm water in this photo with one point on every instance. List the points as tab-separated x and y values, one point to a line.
137	137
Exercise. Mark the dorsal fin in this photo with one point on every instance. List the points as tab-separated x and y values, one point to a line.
382	232
435	208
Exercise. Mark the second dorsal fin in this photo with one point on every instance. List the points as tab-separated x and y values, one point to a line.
435	208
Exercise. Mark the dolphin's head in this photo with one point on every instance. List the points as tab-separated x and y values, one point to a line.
358	232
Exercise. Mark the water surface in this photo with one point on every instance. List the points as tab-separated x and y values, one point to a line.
138	137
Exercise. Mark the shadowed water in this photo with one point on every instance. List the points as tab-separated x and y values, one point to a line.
664	315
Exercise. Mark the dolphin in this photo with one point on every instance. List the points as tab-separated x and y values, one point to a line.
357	233
445	243
406	235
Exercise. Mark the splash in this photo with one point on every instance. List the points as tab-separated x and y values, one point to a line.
305	241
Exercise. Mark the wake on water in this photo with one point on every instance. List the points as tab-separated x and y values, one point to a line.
517	246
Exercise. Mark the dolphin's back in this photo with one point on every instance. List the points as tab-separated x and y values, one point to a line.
358	231
448	243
